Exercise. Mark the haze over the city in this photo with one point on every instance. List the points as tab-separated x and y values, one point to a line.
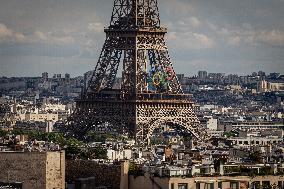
66	36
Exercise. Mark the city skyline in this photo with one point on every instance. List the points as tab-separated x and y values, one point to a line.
63	74
206	111
217	36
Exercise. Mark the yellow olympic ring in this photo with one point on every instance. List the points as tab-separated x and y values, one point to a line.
157	83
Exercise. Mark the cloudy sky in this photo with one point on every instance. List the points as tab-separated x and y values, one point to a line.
59	36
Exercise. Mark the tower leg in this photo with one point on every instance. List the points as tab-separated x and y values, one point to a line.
106	69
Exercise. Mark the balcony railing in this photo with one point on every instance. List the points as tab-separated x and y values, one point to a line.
118	96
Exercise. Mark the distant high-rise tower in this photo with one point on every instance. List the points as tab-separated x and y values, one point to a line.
44	76
202	75
67	76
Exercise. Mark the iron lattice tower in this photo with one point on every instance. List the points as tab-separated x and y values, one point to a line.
150	94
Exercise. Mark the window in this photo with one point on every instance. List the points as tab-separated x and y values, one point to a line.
209	186
266	184
182	186
246	142
280	185
212	186
256	185
172	186
219	185
198	185
234	185
15	185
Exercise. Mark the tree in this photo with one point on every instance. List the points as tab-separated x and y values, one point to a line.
18	132
57	138
135	170
94	153
100	153
97	137
3	133
37	135
73	148
255	156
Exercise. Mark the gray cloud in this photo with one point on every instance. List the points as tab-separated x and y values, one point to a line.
216	35
7	35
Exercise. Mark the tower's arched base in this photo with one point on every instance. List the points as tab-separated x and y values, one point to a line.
136	116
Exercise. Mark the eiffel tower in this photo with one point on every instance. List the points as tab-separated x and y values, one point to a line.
150	95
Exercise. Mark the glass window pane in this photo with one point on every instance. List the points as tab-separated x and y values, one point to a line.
219	185
234	185
197	185
266	184
182	186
